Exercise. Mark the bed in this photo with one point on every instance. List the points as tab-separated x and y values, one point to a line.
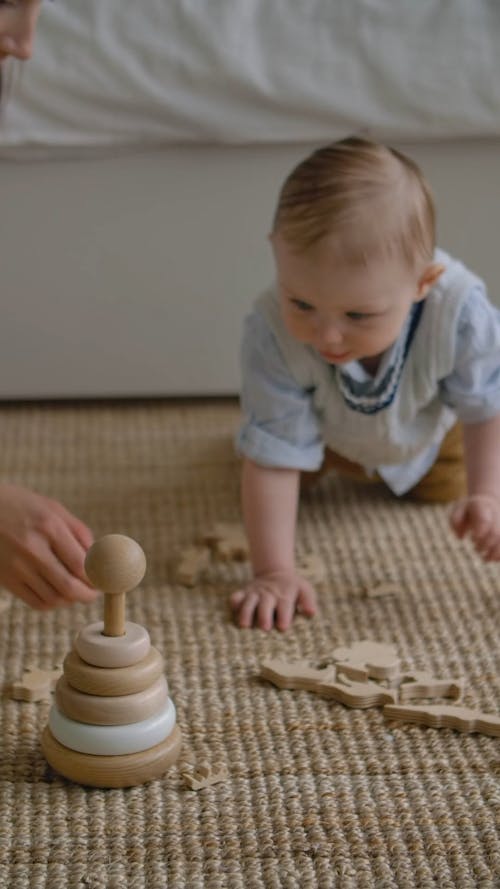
141	151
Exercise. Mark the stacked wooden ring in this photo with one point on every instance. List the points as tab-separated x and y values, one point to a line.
113	723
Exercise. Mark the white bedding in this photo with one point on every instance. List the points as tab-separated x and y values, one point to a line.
115	73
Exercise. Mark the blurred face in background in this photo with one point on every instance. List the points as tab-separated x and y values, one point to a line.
18	20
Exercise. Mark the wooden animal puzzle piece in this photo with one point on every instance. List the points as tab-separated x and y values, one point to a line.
381	589
312	567
35	685
299	675
204	776
193	561
228	542
462	719
296	674
363	659
423	685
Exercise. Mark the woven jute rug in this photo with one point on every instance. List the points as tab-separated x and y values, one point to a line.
316	794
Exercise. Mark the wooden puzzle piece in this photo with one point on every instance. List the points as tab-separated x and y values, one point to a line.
312	567
363	659
204	776
462	719
359	695
296	674
383	588
192	563
228	542
423	685
35	685
299	675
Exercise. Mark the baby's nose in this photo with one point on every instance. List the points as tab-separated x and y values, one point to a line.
331	335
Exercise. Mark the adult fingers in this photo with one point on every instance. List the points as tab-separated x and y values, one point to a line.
79	529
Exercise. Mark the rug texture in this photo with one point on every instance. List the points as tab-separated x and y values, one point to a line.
317	794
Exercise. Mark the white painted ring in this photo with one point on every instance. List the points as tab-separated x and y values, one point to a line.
112	651
112	740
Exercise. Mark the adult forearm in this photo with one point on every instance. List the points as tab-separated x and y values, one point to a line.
482	457
269	498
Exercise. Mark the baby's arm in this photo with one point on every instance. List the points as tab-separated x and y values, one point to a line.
270	498
478	514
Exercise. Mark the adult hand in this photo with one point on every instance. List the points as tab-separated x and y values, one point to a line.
272	600
479	517
42	550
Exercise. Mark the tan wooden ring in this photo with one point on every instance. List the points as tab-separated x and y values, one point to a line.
112	651
112	771
112	681
116	710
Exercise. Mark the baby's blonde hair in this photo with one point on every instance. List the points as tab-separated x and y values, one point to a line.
368	199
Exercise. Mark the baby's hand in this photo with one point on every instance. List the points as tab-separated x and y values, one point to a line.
479	517
272	600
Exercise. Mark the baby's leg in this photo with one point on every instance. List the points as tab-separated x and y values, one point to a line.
446	480
334	461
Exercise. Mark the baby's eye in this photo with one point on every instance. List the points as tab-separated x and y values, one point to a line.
302	306
357	316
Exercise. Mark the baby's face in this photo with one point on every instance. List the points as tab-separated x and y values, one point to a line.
346	313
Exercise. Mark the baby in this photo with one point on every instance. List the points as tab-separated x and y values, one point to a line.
375	353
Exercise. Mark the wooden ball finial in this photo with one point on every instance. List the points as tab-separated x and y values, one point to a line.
115	564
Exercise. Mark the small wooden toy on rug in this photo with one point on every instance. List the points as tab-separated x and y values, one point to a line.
423	685
381	589
204	776
113	723
364	659
191	565
299	675
228	542
379	658
35	684
462	719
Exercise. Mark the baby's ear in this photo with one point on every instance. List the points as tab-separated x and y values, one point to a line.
428	278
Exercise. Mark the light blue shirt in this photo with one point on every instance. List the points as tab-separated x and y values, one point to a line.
283	427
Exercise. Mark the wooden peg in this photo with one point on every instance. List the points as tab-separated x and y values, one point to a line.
115	564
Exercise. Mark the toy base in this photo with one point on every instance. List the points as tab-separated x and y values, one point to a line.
126	770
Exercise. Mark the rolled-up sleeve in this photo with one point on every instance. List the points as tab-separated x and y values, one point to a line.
279	427
473	387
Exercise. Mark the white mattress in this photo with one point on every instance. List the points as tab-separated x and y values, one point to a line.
114	73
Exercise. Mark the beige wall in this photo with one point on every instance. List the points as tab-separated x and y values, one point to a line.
131	275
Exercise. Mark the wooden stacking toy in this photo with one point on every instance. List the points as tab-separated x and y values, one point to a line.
113	723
